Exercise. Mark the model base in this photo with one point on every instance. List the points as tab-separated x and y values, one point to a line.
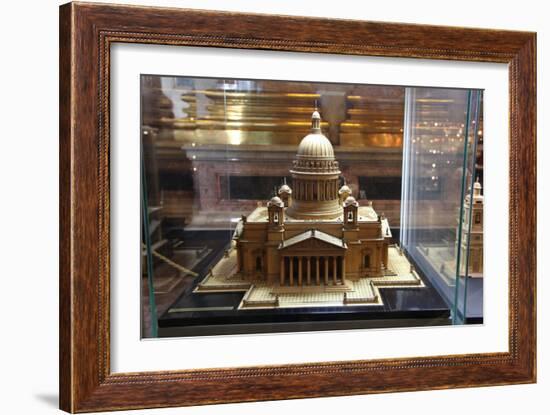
259	294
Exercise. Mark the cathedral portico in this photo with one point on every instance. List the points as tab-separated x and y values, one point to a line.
312	257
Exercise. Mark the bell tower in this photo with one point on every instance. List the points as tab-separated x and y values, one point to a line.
276	211
350	211
285	193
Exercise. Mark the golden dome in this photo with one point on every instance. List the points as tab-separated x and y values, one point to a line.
345	189
351	201
315	144
285	188
478	197
275	201
315	177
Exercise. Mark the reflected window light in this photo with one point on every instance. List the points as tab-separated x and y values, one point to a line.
235	137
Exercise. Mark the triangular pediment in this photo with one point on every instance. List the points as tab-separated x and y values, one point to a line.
313	239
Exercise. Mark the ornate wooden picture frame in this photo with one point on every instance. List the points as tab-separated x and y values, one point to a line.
86	33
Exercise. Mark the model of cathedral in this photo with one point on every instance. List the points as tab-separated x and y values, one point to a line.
475	258
315	233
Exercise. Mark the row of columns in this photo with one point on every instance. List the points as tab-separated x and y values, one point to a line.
316	190
309	269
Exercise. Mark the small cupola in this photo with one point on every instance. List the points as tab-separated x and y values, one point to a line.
275	210
285	194
344	192
351	208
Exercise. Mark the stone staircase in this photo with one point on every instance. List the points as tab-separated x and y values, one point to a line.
312	289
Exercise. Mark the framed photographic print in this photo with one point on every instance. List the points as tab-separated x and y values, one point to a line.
254	207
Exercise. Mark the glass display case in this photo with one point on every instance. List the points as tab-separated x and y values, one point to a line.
442	201
289	206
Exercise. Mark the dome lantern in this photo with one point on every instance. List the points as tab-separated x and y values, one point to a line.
315	122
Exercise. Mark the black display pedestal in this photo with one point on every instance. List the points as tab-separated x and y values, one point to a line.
211	314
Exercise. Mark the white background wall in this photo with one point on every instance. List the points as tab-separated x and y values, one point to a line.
29	205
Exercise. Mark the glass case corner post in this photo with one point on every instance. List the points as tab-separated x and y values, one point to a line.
406	160
148	250
437	151
460	306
